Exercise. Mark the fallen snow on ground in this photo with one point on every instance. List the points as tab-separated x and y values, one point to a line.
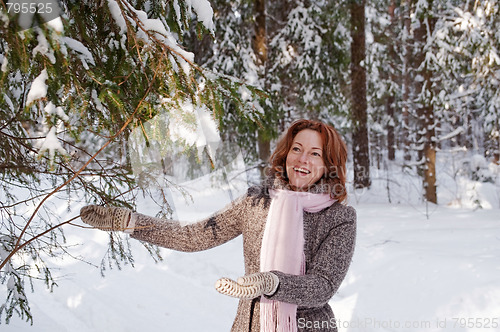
414	274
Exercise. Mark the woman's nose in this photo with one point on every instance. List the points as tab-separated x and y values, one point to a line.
303	158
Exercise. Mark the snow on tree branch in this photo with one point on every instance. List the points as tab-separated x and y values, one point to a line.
51	145
38	88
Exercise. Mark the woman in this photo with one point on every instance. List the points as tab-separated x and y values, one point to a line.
298	237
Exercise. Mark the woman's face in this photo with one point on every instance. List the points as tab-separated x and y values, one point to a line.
304	161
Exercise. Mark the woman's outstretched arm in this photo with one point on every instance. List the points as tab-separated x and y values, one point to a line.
221	227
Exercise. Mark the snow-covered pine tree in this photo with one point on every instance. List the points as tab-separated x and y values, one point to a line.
306	68
467	55
71	92
309	52
459	49
231	52
417	79
383	63
459	65
476	36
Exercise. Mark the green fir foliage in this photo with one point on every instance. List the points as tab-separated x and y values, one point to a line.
71	93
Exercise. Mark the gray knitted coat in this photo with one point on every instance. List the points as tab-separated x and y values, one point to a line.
329	245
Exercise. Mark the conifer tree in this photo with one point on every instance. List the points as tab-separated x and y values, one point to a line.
72	91
306	69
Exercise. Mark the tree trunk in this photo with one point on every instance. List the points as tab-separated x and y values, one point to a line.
260	41
259	46
425	110
406	9
361	154
430	173
391	141
496	154
390	99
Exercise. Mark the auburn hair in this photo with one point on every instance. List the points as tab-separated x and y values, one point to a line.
334	156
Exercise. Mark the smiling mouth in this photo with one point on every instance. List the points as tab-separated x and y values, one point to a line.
301	170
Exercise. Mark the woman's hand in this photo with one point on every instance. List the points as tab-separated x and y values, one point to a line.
106	218
249	286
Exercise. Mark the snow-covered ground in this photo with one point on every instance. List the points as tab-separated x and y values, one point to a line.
416	267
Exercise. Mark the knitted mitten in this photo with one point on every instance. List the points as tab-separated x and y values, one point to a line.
106	218
250	286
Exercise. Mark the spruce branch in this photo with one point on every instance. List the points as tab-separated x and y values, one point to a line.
18	244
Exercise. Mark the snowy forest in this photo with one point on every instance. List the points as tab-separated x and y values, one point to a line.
111	101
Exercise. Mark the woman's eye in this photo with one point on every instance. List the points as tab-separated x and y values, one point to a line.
295	149
316	154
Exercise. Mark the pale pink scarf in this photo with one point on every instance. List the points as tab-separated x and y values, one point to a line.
283	250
